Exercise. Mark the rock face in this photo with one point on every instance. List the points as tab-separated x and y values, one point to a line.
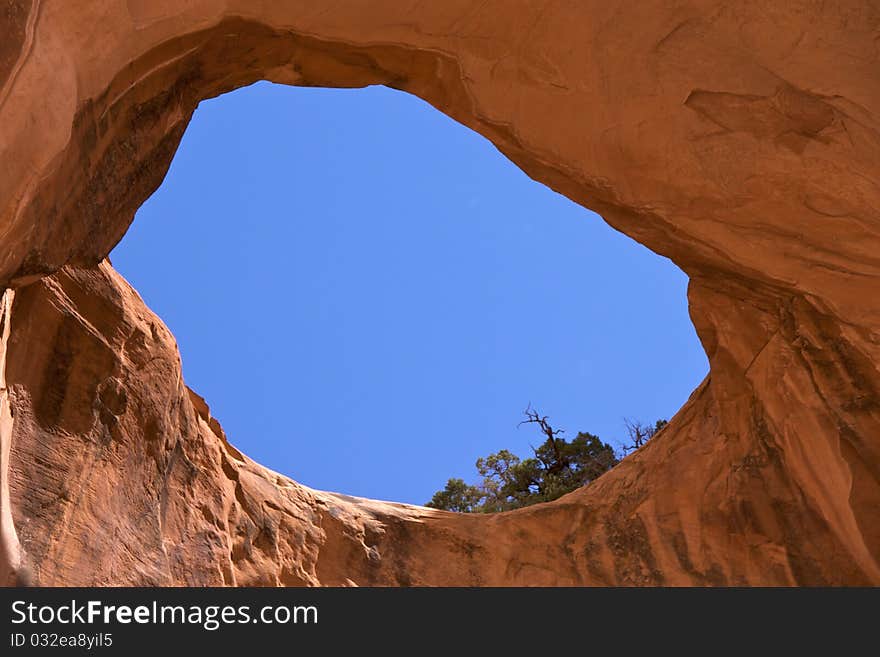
741	140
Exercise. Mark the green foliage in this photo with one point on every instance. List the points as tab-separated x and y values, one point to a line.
457	496
557	467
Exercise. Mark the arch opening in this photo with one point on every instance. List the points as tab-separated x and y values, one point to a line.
401	291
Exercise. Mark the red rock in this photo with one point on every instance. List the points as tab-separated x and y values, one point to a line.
739	141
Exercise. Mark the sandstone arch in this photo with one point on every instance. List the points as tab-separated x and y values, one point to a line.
741	142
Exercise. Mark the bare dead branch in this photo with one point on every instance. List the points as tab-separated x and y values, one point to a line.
533	417
638	434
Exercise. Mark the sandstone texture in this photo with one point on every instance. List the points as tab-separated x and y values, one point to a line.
739	139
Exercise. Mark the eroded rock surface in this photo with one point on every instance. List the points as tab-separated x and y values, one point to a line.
739	139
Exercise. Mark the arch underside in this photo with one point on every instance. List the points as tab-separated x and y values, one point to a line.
732	141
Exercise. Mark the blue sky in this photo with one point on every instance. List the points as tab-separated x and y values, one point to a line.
368	294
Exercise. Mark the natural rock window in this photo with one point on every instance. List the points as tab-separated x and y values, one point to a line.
368	293
742	145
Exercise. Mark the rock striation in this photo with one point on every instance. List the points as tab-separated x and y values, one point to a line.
740	140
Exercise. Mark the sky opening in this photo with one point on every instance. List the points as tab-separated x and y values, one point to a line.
368	294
